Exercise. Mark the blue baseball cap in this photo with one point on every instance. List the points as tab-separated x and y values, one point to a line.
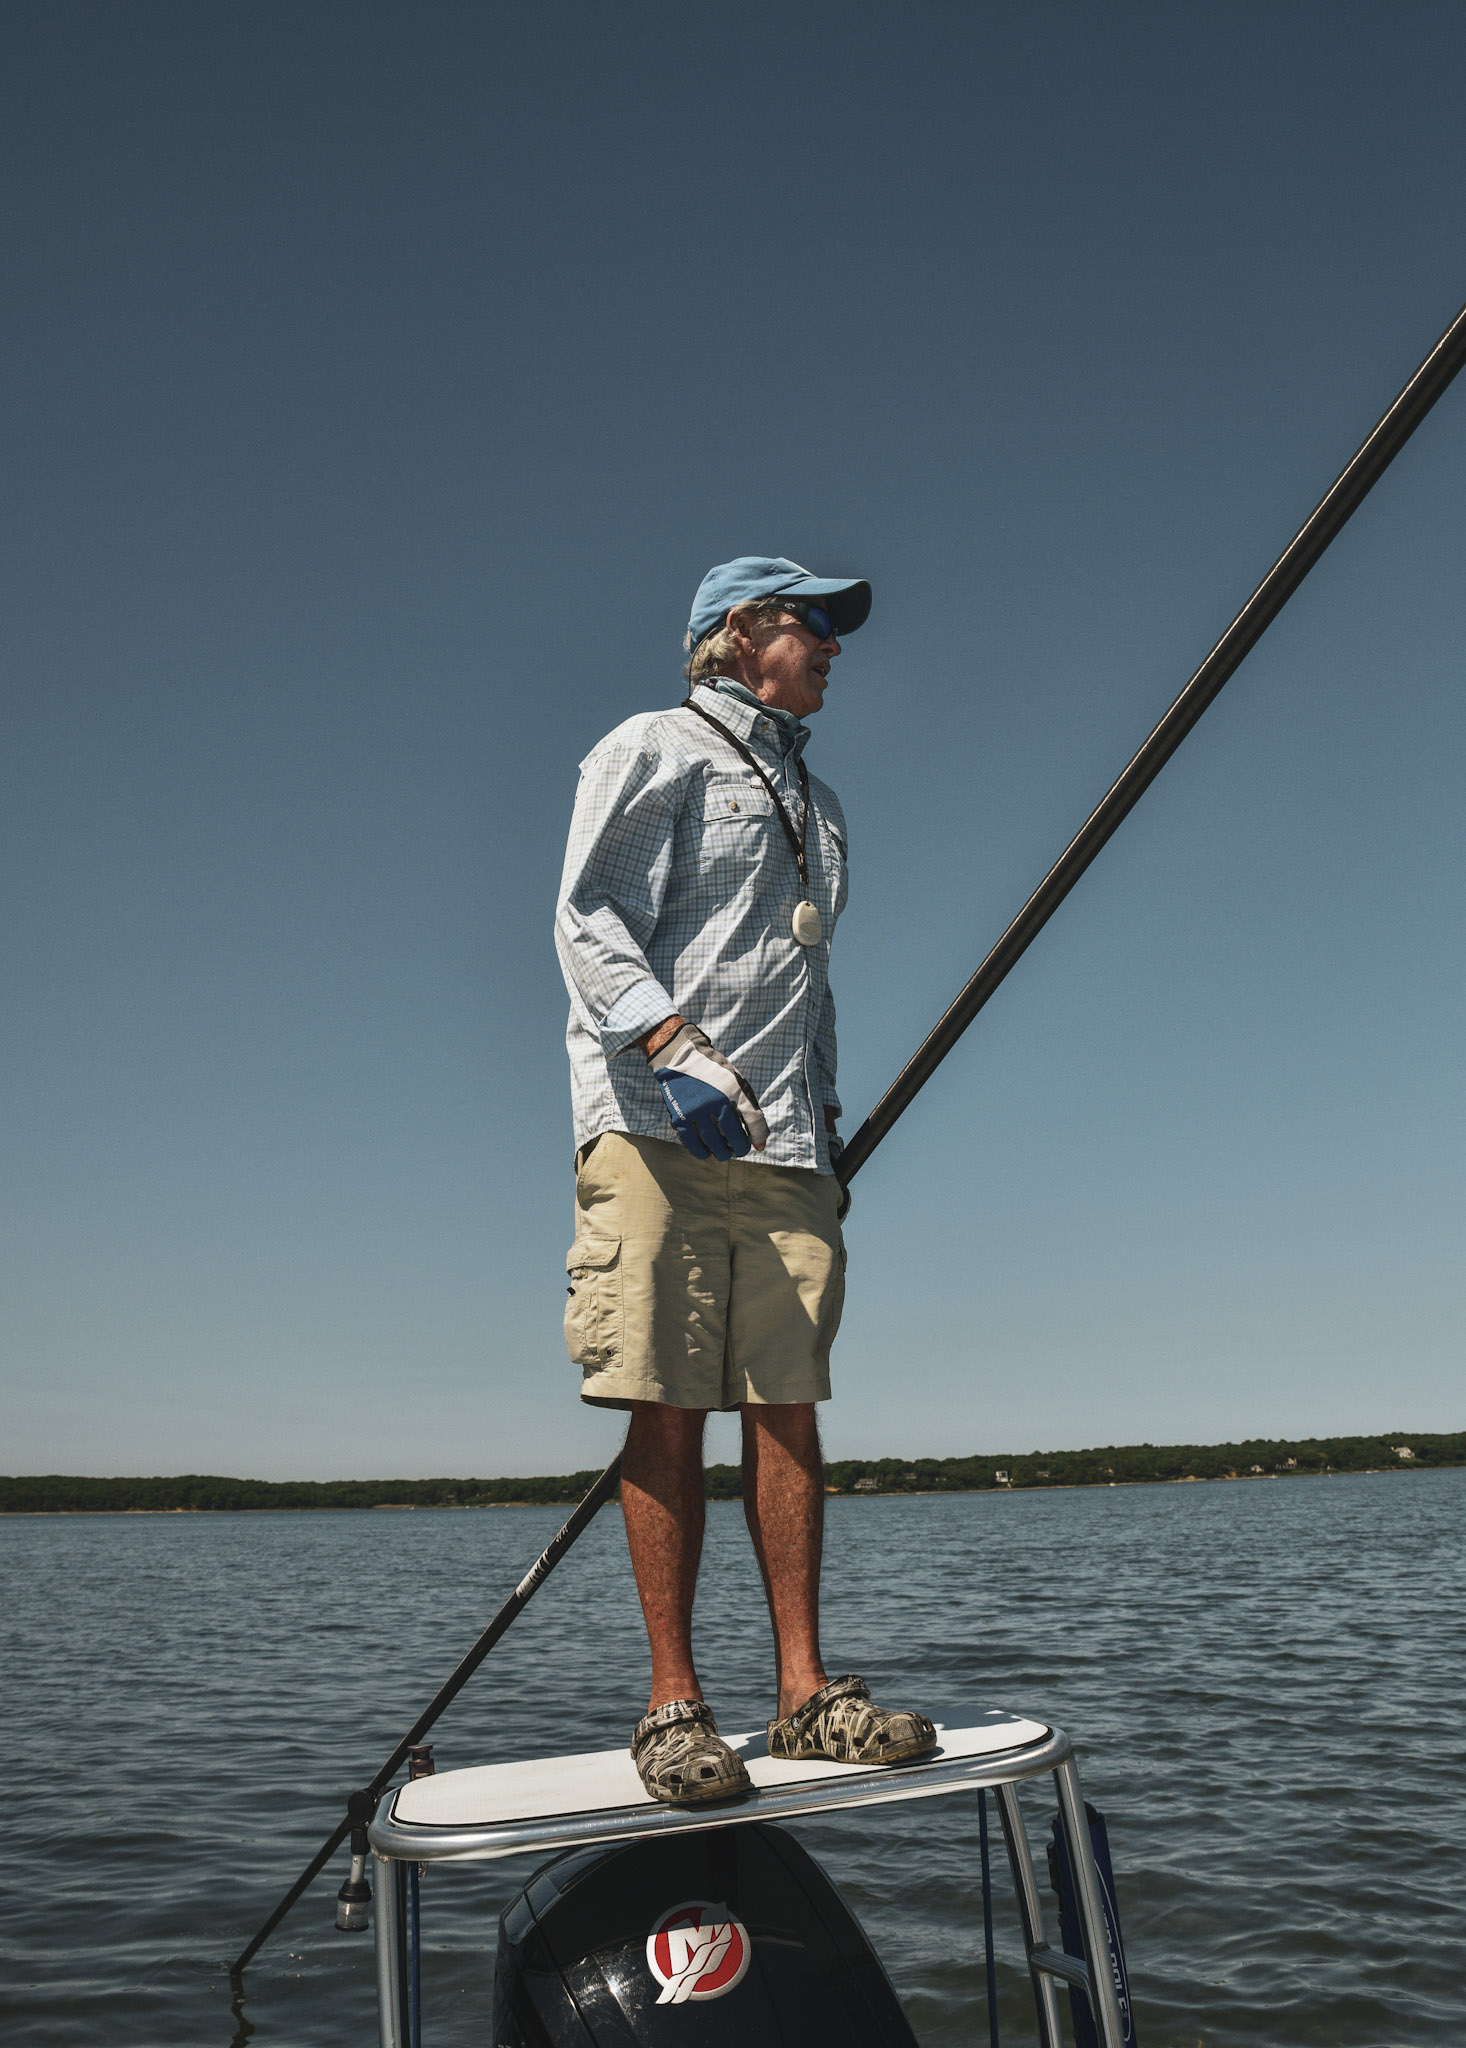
754	576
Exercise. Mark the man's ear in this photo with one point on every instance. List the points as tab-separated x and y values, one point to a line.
740	625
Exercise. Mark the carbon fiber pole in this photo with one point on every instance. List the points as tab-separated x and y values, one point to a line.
365	1801
1326	520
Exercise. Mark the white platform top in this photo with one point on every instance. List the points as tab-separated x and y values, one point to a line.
551	1799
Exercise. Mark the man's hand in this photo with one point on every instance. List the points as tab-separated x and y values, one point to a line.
713	1110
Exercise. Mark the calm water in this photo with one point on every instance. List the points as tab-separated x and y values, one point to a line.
1263	1679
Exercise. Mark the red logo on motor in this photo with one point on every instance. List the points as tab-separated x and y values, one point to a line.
697	1950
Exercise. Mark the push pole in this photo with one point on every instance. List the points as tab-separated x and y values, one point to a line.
1326	520
362	1805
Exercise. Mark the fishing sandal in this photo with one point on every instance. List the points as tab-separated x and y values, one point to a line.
683	1760
843	1724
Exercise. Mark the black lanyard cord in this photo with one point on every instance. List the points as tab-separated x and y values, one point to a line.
796	839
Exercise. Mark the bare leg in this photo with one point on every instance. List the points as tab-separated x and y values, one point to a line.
784	1503
663	1502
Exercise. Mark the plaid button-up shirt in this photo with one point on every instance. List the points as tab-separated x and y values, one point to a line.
678	894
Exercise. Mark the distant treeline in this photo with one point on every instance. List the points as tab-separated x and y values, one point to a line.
56	1494
1113	1464
1132	1464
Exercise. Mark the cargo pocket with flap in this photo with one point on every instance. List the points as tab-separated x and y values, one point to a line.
593	1310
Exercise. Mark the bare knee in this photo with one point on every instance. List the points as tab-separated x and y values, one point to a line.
661	1438
657	1422
788	1427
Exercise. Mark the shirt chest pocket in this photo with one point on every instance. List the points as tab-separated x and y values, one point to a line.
731	823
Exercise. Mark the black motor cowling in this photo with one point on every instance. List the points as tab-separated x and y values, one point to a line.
733	1935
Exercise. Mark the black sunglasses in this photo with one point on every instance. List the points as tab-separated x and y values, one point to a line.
813	617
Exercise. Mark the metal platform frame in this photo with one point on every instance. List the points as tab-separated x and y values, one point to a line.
397	1846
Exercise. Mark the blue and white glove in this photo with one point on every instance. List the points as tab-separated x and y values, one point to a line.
713	1110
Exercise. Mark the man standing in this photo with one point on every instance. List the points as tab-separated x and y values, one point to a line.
703	879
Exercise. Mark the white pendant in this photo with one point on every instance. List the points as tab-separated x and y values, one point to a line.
807	927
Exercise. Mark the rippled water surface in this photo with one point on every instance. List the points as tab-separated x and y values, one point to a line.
1263	1680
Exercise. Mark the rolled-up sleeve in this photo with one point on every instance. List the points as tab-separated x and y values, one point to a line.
617	865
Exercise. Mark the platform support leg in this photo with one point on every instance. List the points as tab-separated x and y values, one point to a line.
989	1958
1103	2003
1030	1912
394	2018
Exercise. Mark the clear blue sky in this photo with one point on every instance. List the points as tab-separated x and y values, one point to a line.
381	380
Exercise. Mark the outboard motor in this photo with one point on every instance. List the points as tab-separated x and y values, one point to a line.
723	1936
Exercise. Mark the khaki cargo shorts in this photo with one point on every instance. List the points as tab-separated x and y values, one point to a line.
701	1282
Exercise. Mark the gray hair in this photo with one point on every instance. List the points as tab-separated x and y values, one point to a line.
715	652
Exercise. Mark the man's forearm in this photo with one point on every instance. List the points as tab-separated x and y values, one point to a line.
652	1042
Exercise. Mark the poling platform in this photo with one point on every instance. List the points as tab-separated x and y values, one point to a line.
564	1802
553	1804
